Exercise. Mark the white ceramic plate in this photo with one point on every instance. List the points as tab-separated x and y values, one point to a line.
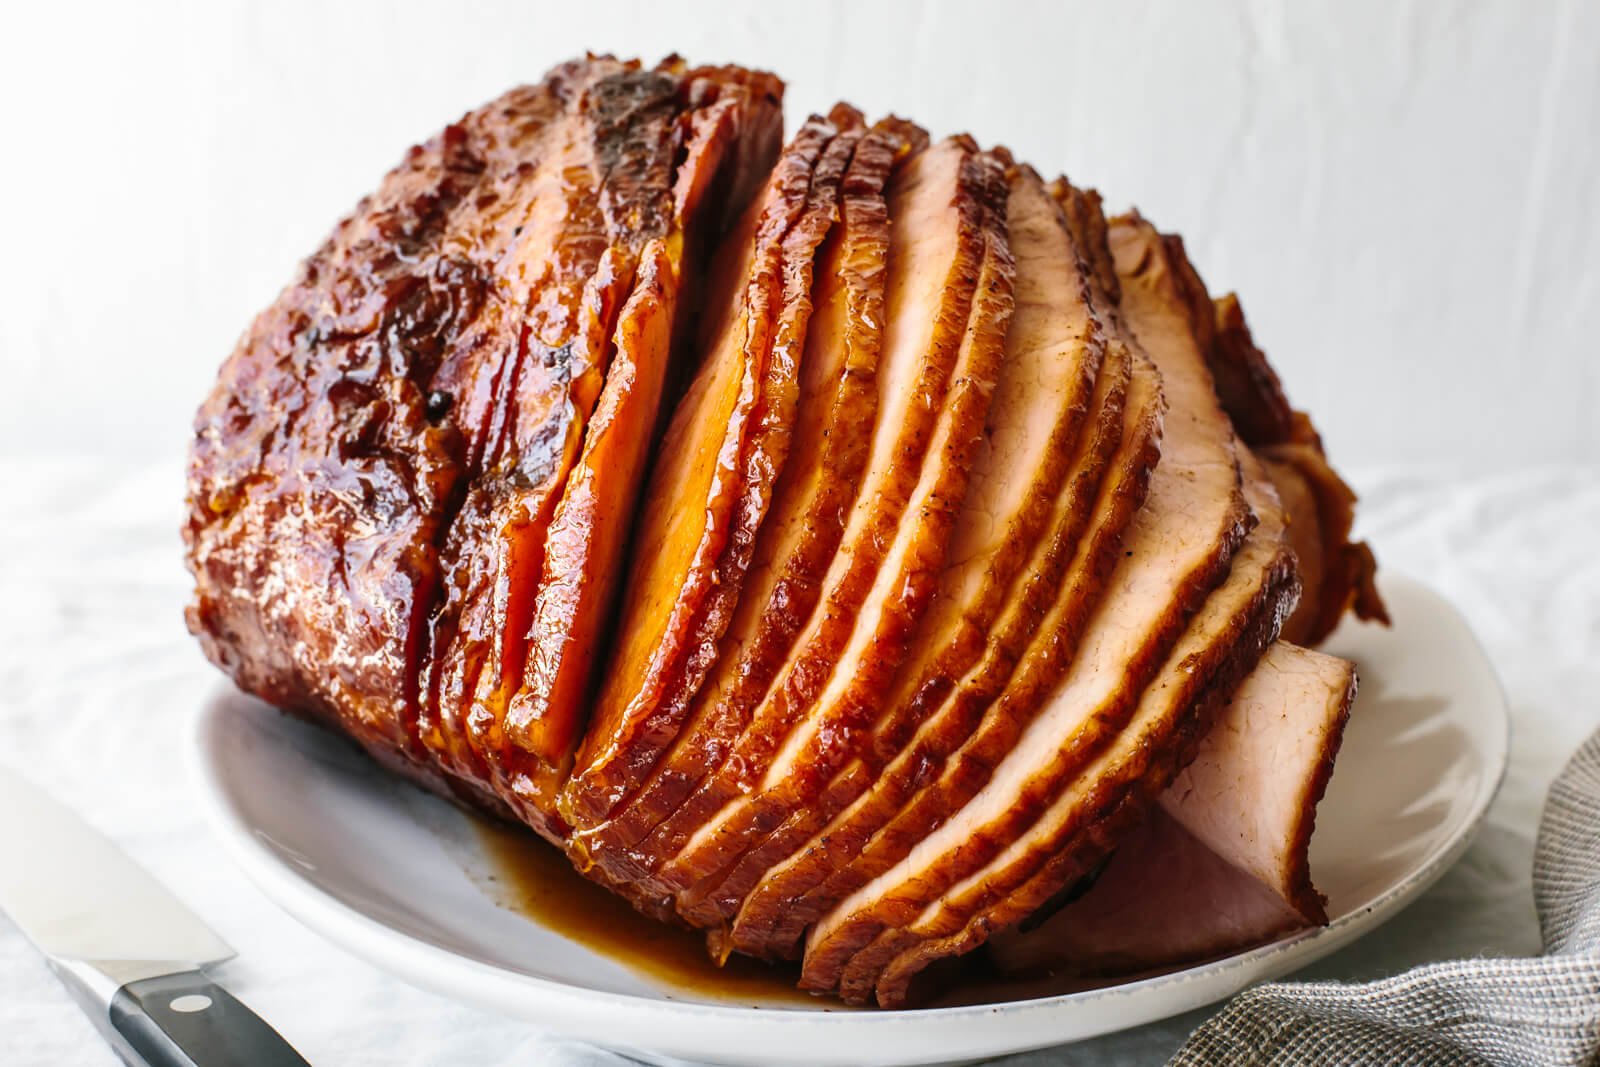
394	876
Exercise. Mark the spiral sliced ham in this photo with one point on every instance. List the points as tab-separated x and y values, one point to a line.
853	548
1040	401
720	460
833	436
995	597
948	297
1054	719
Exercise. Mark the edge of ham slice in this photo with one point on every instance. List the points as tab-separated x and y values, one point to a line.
337	460
1338	574
1251	793
582	568
1040	401
1178	547
712	483
814	494
939	218
870	788
1223	863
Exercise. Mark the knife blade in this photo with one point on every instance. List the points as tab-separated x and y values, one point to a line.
129	951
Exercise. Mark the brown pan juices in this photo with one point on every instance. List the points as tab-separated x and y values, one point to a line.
535	879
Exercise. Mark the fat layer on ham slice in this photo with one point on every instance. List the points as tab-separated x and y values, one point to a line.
1058	413
1179	545
813	498
941	278
718	463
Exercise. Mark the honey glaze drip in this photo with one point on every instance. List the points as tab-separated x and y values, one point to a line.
526	875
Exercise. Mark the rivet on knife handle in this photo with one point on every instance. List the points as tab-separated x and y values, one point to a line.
187	1020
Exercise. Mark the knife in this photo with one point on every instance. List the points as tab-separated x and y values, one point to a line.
131	953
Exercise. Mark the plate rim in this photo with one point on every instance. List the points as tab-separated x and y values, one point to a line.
414	959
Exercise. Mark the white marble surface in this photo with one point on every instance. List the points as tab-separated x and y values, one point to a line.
1407	192
98	681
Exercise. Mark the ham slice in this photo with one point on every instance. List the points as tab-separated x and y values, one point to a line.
832	437
1251	793
946	245
857	639
1163	900
581	567
1079	829
1058	414
1223	863
1047	730
536	364
719	461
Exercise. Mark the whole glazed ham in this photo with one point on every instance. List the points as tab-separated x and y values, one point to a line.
858	548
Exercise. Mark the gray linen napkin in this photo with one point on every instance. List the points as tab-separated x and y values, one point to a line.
1510	1012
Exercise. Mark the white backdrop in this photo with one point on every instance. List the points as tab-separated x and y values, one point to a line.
1407	194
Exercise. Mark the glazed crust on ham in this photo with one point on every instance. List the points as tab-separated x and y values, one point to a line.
839	546
720	458
424	382
1338	574
832	438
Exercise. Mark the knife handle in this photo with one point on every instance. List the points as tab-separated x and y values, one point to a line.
187	1020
